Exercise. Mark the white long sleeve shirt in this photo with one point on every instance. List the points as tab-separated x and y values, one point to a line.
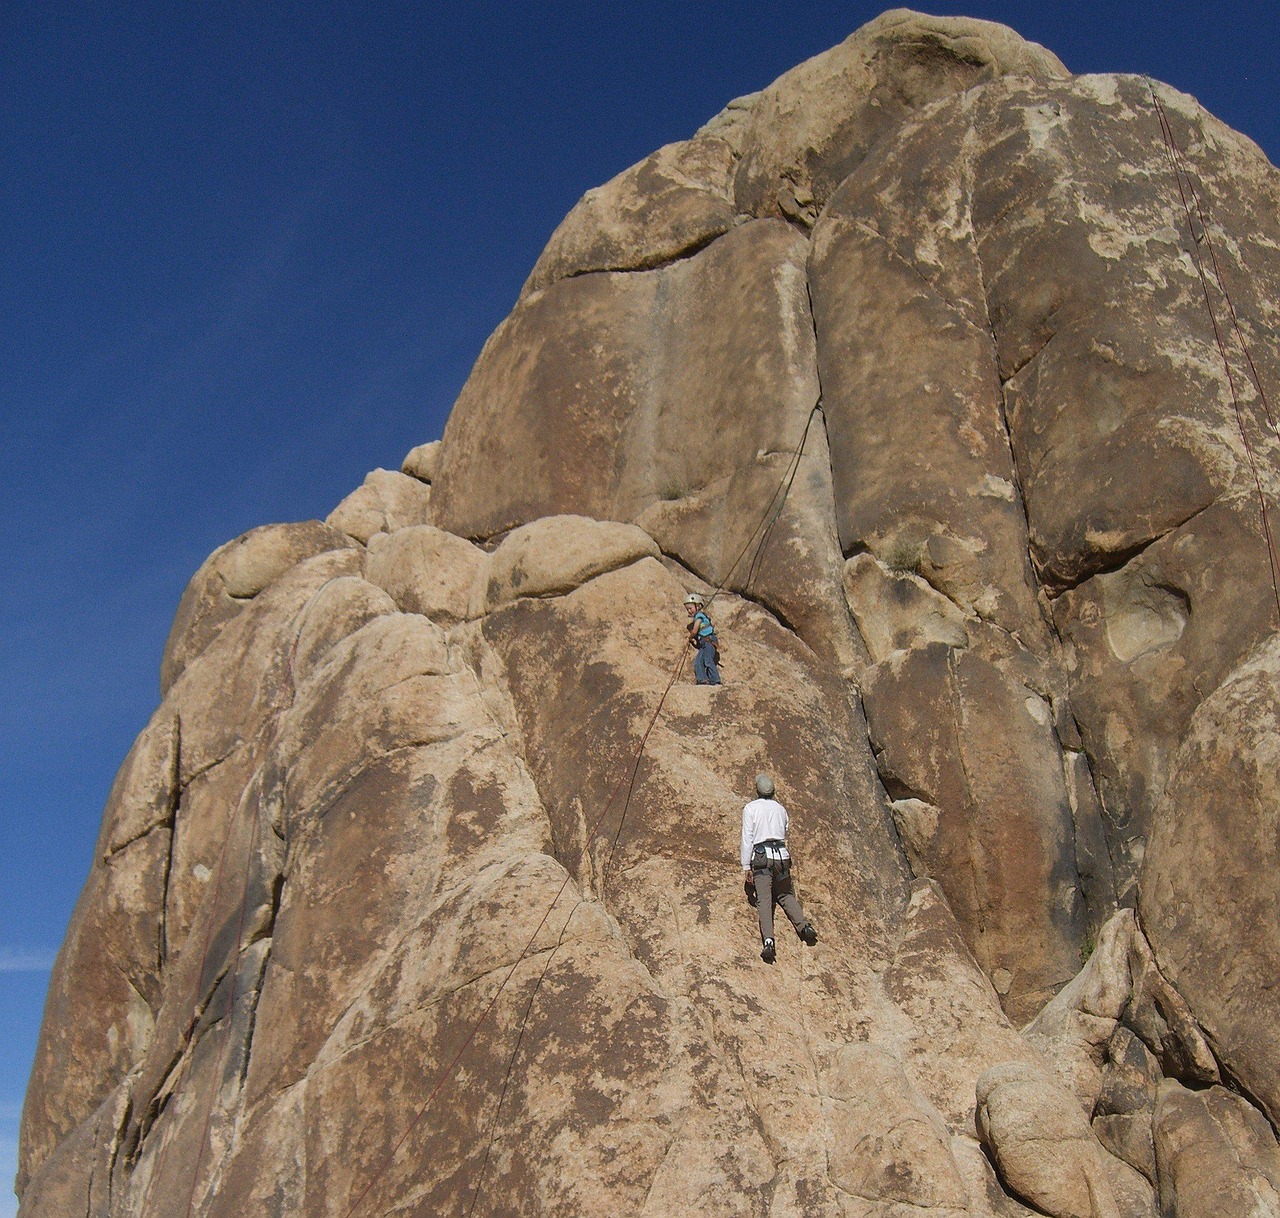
762	820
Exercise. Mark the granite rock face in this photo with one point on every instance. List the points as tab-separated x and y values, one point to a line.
420	894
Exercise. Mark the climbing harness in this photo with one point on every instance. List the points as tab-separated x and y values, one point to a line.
1188	195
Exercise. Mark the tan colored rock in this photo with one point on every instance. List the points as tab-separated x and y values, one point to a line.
426	570
227	695
1133	1191
106	973
1042	1144
810	129
160	833
954	732
977	646
1076	1028
554	555
233	575
886	1143
731	123
1122	1114
914	477
897	610
1040	318
681	395
668	206
384	502
1135	706
948	1024
337	610
423	462
1202	903
1159	1014
1215	1153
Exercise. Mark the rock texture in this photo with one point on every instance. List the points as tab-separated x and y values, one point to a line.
419	893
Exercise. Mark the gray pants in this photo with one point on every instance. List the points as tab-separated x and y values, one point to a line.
772	878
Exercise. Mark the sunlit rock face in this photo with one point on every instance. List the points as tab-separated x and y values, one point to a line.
405	902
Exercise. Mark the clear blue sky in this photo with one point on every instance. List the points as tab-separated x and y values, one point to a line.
250	252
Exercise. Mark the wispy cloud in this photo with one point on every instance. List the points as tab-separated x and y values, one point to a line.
26	959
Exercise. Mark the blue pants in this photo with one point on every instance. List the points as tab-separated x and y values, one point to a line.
704	663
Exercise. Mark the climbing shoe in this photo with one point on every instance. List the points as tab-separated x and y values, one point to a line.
768	954
808	934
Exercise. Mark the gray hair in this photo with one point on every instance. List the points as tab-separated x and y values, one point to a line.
764	786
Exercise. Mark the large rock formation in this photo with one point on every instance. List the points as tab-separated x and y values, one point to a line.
419	893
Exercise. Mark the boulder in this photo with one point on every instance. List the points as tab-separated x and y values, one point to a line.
1215	1154
554	555
384	502
422	462
1042	1144
426	570
231	577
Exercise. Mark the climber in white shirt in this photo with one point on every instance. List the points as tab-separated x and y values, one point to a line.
766	867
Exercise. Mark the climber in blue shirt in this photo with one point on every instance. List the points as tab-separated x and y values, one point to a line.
702	635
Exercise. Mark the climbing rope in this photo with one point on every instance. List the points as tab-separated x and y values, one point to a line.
629	775
1187	193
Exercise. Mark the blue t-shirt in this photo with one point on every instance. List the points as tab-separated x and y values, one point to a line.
703	623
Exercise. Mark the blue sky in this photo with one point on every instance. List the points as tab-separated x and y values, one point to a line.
251	252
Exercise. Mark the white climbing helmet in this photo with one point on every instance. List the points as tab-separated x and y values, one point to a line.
693	599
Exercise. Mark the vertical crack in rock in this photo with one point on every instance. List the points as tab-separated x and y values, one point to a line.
175	800
831	461
1002	404
975	851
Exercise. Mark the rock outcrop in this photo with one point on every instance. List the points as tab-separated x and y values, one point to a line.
419	893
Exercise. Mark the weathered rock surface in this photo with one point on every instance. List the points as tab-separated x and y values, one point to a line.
422	462
419	893
1215	836
387	501
426	570
1215	1154
1042	1144
231	577
555	555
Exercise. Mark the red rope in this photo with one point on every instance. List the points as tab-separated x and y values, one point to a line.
1178	163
